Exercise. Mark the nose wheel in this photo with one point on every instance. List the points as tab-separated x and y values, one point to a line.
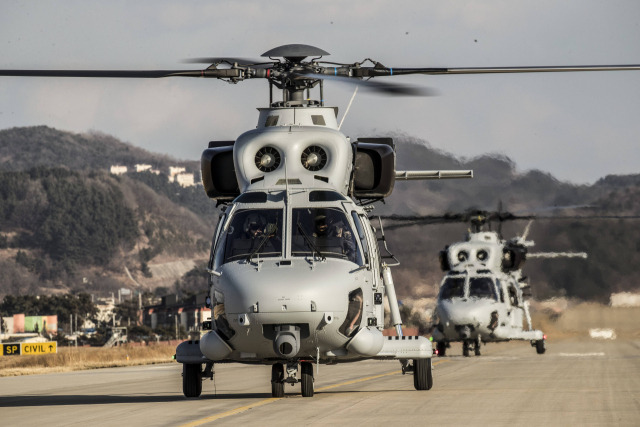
306	379
277	380
466	348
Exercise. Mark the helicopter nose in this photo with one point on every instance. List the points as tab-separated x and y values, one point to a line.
458	315
464	331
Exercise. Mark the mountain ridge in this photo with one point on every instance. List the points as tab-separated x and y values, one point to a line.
176	223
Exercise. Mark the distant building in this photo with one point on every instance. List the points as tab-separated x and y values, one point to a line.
175	170
142	168
118	170
19	323
189	314
185	179
625	299
105	308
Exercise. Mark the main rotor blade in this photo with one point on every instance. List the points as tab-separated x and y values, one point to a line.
243	62
393	89
143	74
390	71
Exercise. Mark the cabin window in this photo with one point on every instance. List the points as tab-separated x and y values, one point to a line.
361	235
513	295
254	233
214	243
325	196
271	121
499	286
252	197
323	232
453	287
482	287
318	120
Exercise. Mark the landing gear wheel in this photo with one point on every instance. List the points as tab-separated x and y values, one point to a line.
465	348
277	380
476	348
191	379
422	374
306	379
441	347
540	347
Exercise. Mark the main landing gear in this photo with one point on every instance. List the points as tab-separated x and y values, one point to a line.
192	375
422	372
279	378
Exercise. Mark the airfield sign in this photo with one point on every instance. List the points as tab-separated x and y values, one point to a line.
27	348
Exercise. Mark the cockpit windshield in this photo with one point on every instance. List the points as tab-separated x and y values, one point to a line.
254	232
324	233
482	287
453	287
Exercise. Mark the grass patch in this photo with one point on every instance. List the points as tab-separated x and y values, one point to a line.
79	358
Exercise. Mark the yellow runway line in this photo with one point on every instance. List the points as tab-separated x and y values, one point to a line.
229	413
273	399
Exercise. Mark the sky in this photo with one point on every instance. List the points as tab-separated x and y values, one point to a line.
577	126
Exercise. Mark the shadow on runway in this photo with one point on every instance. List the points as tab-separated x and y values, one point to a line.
76	399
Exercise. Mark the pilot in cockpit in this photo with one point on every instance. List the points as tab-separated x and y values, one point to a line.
254	226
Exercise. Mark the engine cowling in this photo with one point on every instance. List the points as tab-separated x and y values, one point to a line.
218	171
374	168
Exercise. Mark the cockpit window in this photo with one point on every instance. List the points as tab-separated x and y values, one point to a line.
453	287
482	287
323	233
254	232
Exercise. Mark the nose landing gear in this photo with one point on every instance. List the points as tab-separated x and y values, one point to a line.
278	379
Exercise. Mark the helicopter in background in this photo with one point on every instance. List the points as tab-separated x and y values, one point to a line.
482	296
296	273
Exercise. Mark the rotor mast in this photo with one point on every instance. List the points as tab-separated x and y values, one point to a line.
292	80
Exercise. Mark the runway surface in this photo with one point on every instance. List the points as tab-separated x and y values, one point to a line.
584	382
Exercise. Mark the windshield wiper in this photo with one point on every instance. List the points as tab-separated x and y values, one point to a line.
310	243
269	233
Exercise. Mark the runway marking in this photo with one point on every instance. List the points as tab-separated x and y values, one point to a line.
582	354
359	380
229	413
273	399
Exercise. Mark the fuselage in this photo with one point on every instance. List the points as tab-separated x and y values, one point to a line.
283	285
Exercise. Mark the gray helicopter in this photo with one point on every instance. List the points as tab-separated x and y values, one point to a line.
482	296
297	276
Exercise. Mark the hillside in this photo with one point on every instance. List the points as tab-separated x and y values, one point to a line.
612	244
27	147
66	223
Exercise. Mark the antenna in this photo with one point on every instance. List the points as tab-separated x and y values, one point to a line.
348	107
